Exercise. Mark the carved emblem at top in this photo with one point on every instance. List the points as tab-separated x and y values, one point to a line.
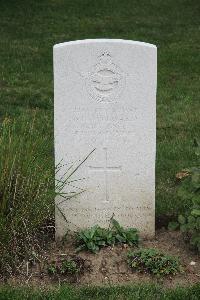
106	80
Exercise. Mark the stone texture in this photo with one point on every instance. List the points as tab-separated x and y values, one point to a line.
105	99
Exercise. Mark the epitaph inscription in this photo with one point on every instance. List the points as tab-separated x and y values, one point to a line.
105	99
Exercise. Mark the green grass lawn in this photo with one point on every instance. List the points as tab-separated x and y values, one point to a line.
107	293
29	29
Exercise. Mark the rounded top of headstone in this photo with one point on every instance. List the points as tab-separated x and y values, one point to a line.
91	41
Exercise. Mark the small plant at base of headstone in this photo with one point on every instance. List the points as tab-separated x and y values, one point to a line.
154	262
52	269
67	266
94	238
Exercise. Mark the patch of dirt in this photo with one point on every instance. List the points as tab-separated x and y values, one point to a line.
109	265
163	221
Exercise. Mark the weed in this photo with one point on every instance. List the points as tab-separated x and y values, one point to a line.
189	190
52	270
94	238
153	261
71	265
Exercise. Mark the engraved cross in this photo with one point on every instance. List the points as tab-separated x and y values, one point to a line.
105	169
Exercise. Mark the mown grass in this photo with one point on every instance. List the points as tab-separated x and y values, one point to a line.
29	29
109	293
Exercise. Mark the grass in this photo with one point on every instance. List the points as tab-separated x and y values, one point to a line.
109	293
26	187
29	29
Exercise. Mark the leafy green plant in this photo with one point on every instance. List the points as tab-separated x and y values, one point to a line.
68	266
52	269
190	226
94	238
128	236
153	261
189	189
173	225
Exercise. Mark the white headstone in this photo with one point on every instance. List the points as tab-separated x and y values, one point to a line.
105	99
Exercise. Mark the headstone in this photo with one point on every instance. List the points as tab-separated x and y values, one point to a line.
105	106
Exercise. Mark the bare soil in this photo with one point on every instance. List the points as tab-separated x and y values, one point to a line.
109	265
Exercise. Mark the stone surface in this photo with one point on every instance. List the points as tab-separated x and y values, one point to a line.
105	99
